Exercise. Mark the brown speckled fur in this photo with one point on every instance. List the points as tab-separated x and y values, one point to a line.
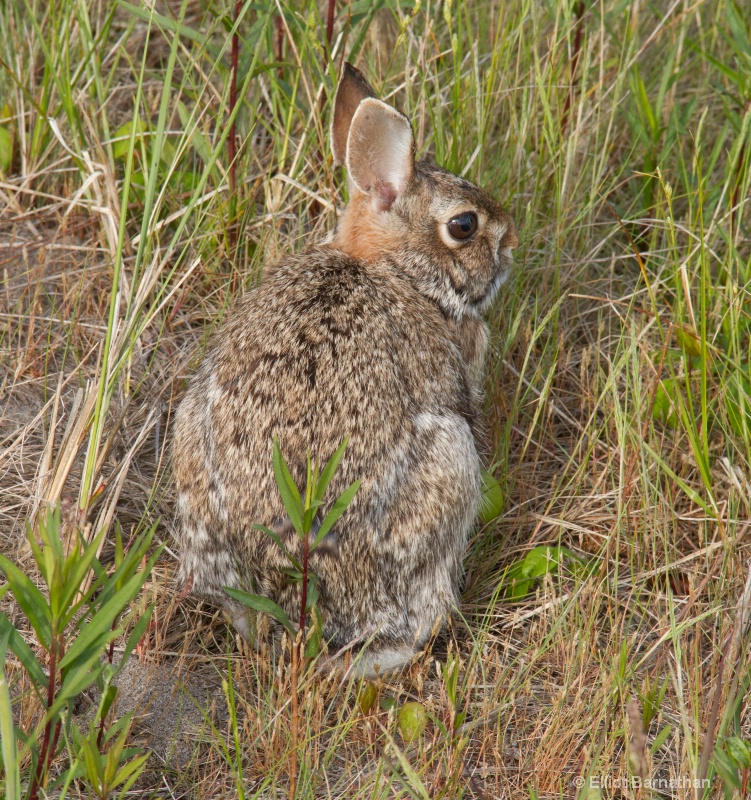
378	336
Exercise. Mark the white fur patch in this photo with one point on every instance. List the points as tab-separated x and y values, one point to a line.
368	665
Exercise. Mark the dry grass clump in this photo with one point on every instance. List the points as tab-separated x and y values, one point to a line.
618	395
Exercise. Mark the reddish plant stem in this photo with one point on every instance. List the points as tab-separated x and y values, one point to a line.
329	29
304	593
45	753
280	43
314	209
295	721
580	9
110	657
232	143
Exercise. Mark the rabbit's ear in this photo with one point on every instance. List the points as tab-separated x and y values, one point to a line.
352	90
380	152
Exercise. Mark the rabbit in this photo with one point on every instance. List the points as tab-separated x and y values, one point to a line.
377	334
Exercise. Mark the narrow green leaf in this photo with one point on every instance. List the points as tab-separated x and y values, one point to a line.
307	519
262	604
328	472
134	637
6	150
164	23
114	755
199	141
691	493
31	601
280	544
312	598
284	471
75	575
288	489
11	765
93	761
108	698
102	620
411	780
660	739
733	75
129	774
131	565
727	768
23	653
76	682
740	28
308	481
339	507
739	750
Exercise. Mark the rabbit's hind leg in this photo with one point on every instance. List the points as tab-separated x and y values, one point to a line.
206	567
436	508
421	546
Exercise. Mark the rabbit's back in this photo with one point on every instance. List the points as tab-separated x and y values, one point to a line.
328	347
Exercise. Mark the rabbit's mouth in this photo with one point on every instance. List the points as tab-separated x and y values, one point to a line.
484	302
503	261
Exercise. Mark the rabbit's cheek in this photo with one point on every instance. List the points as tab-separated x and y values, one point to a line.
458	279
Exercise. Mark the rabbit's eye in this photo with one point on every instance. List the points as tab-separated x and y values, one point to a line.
463	226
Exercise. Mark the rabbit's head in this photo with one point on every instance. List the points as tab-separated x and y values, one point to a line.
450	238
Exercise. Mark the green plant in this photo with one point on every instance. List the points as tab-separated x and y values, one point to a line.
412	719
115	767
302	510
6	139
538	562
74	621
492	502
732	760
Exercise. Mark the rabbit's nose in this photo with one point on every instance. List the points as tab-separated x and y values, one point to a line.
507	245
511	237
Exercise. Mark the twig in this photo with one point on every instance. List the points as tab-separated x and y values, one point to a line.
232	142
580	9
329	30
47	751
732	652
295	718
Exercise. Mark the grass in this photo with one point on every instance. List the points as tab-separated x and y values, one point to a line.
618	394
